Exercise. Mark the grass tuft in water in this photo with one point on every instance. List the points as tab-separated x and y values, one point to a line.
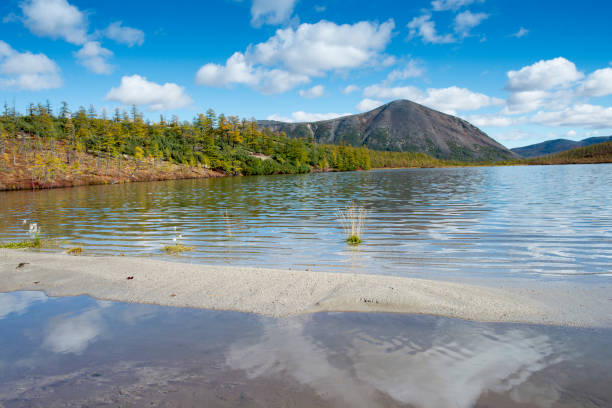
28	243
352	219
176	249
75	251
353	240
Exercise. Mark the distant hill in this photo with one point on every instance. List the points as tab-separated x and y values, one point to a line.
557	146
595	153
402	126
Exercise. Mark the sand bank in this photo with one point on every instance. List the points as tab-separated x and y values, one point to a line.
288	292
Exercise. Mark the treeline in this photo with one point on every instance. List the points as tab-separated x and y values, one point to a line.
597	153
211	141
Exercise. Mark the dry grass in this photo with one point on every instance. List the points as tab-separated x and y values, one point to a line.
75	251
352	219
176	249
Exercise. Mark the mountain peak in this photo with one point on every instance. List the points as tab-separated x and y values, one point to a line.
405	126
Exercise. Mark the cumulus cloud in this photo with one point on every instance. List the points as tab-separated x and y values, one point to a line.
236	70
314	92
27	71
350	89
543	75
425	28
124	35
55	19
442	5
313	49
136	90
495	120
599	83
521	33
412	69
301	116
582	115
95	58
368	104
449	100
467	20
271	11
293	55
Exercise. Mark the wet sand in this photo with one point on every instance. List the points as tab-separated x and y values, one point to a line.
281	293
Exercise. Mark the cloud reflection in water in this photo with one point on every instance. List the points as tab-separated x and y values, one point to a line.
424	369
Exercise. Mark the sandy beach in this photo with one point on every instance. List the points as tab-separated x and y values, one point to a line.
282	293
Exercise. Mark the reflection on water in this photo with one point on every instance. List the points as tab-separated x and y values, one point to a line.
502	221
87	352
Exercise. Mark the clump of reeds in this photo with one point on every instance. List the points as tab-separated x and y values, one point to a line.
352	219
75	251
176	249
33	242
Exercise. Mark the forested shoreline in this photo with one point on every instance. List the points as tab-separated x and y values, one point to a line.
42	148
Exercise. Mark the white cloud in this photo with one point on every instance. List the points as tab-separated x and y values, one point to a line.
447	100
124	35
290	57
279	81
55	19
94	57
314	92
412	70
320	8
313	49
236	70
441	5
529	101
582	115
599	83
544	75
425	28
136	90
514	135
27	71
350	89
521	33
496	120
368	104
467	20
301	116
571	133
271	11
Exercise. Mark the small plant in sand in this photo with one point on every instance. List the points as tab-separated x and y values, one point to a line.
352	219
75	251
176	247
33	242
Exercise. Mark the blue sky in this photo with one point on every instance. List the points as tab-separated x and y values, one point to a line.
523	71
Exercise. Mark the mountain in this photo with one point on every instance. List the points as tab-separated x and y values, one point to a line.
402	126
557	145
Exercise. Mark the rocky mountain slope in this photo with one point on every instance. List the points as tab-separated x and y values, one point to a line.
402	126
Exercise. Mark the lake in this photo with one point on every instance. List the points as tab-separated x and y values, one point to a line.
544	222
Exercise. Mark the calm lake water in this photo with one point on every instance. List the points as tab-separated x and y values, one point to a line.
539	221
79	352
